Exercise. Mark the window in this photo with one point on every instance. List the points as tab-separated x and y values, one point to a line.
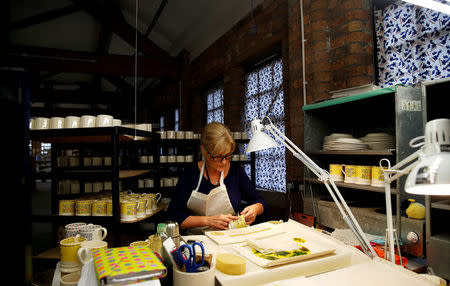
263	85
177	119
412	44
214	105
161	123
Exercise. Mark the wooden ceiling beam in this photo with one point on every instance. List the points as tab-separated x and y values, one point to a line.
44	17
45	59
126	31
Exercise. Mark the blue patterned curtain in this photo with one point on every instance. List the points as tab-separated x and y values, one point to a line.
263	85
214	105
413	44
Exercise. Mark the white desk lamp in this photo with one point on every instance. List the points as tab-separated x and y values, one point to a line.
429	175
261	140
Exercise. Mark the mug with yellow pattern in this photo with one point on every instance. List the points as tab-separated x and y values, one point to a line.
99	208
349	173
83	207
68	250
377	177
67	207
363	175
336	172
128	210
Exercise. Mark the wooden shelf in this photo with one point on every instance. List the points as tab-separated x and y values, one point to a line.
354	186
443	204
123	174
354	152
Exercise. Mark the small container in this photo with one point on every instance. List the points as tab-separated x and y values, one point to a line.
172	230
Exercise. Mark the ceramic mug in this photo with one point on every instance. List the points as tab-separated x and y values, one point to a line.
68	251
171	159
32	124
74	187
103	120
243	157
88	187
83	207
107	161
72	229
163	134
87	121
66	207
150	159
377	177
141	207
189	134
128	210
84	253
179	135
143	159
168	182
117	122
236	135
149	183
236	157
181	159
98	208
109	206
170	134
56	122
74	161
189	158
244	135
163	159
336	172
87	161
93	232
349	173
42	123
156	198
146	243
107	186
97	187
97	161
363	175
72	122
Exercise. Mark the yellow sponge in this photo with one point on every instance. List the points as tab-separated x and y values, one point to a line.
230	264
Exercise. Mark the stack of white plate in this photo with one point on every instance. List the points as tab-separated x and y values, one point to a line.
343	142
379	141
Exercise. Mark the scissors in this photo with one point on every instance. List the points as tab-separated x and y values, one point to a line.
188	257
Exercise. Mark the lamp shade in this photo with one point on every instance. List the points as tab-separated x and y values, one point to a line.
260	140
430	177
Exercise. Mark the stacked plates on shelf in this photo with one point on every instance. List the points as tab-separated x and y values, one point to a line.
379	141
343	142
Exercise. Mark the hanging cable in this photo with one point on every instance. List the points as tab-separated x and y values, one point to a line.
135	68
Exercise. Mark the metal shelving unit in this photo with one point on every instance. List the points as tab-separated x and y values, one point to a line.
391	110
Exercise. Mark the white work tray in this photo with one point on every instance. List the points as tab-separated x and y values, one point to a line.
343	256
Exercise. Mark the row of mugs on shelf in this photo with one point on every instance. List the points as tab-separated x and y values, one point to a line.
132	206
239	135
164	182
171	134
84	121
176	158
357	174
88	161
73	187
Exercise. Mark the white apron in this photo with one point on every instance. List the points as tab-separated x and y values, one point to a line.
215	203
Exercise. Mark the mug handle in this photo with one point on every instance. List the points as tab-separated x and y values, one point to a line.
343	169
157	199
82	255
105	232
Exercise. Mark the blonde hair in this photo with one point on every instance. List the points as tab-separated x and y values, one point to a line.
216	138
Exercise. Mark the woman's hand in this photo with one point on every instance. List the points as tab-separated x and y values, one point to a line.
251	212
220	221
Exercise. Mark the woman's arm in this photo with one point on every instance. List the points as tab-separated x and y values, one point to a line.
218	221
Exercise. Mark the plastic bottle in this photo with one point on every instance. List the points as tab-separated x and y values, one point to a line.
157	239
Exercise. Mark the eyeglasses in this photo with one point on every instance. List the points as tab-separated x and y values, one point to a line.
220	158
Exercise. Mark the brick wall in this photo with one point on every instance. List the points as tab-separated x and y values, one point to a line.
338	49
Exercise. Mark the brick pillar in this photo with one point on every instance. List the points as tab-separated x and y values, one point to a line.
339	46
233	97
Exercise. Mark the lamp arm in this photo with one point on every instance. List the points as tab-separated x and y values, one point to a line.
333	190
400	164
